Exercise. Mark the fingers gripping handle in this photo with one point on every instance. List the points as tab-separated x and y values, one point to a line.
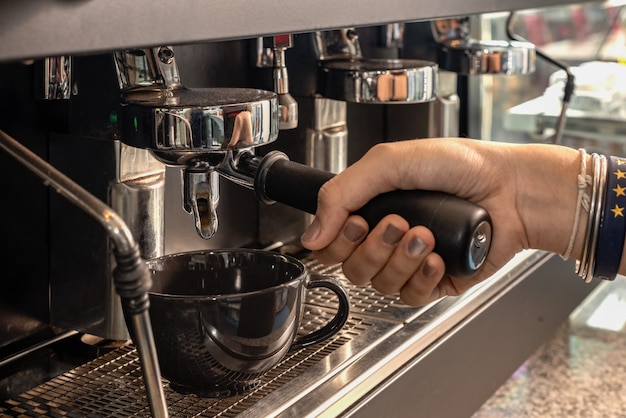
461	228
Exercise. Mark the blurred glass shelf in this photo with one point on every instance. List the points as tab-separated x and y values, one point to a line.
539	116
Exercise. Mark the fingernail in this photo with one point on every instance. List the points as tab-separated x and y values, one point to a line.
428	270
312	232
353	233
392	235
415	247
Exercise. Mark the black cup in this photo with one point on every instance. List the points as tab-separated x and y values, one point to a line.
221	319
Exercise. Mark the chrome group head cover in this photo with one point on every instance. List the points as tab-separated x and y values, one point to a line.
380	80
460	53
182	126
475	57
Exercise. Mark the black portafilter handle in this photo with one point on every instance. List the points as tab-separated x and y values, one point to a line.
461	228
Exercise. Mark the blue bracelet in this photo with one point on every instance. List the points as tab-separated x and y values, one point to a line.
612	223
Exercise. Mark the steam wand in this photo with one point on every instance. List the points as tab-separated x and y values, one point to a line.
131	275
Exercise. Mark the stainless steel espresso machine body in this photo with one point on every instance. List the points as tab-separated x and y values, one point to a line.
84	83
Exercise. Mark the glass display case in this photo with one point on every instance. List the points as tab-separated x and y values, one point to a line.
588	39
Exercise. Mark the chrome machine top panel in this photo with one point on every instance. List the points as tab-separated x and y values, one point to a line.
41	28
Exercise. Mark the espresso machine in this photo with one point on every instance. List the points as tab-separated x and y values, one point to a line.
165	115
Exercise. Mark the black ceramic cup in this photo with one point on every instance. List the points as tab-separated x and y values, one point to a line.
221	319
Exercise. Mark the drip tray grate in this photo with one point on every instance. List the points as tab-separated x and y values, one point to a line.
112	385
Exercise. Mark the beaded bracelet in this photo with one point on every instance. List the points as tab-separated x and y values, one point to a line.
613	224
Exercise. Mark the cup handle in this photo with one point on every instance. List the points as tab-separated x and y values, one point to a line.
338	321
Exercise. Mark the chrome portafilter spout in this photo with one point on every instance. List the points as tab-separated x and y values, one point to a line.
190	128
131	275
201	197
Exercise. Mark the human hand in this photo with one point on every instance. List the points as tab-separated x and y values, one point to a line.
397	259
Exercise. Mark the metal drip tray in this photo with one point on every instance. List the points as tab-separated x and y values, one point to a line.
112	385
381	336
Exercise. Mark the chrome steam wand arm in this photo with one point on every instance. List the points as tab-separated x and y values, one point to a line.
132	278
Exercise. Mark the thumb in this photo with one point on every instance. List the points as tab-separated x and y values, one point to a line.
329	219
353	188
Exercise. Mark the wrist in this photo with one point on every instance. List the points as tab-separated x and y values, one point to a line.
547	198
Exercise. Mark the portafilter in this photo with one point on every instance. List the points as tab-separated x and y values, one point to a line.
215	130
461	228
